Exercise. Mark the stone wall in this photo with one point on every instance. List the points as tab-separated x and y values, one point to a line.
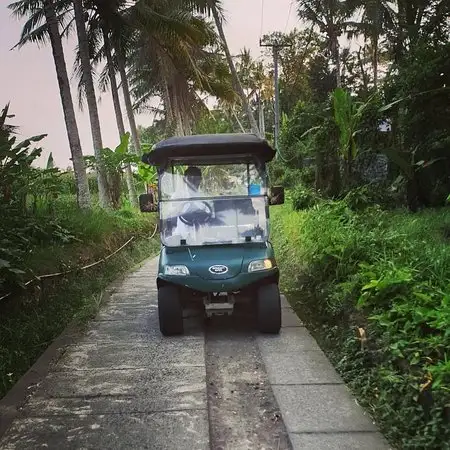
371	168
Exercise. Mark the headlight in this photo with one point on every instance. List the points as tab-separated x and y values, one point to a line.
262	264
176	270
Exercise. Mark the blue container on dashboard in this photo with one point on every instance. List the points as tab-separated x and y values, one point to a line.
254	189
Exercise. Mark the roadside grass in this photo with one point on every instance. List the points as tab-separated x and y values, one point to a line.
374	287
31	320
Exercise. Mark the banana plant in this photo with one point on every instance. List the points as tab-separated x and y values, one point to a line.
147	174
45	185
348	115
115	163
15	162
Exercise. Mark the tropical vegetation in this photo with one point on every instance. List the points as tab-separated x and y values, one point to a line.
363	152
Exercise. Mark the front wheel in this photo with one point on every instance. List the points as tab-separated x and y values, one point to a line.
269	309
170	311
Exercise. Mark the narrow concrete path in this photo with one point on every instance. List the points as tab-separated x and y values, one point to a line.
224	386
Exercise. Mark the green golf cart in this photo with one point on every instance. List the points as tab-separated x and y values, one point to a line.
213	201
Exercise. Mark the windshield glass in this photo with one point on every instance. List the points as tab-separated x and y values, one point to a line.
206	181
214	221
213	204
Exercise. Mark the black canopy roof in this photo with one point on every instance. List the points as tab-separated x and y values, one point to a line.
201	145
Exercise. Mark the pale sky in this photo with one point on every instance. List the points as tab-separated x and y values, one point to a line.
28	79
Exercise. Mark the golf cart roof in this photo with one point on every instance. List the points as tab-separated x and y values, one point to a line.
209	146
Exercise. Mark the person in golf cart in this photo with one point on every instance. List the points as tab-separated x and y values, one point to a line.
192	179
191	213
192	218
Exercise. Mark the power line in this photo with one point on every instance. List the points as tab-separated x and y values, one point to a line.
276	47
289	15
262	19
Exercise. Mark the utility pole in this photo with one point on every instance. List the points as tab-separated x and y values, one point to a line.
277	97
276	45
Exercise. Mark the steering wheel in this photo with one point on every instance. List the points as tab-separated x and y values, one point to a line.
196	213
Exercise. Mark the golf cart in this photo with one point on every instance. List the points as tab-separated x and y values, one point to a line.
213	203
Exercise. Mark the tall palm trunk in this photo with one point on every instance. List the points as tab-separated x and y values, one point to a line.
128	104
170	120
375	59
176	110
234	74
364	75
83	45
119	117
337	59
79	168
114	88
262	124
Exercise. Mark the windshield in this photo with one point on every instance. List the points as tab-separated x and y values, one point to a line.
178	182
214	221
215	204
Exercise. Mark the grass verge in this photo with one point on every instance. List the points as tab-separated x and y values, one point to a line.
374	287
29	323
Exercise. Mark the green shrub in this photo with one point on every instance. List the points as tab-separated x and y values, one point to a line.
42	244
388	273
290	178
43	231
303	198
93	184
307	176
39	241
365	196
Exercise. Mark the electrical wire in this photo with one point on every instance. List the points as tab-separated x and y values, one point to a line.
262	20
289	16
280	155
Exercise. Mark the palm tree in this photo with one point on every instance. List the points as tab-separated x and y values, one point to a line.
160	49
330	16
119	117
88	83
264	92
377	15
213	5
417	19
111	18
43	24
174	56
102	24
257	83
167	36
127	97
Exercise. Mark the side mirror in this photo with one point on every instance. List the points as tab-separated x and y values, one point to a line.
276	196
147	203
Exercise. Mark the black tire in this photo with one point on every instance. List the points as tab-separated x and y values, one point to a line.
269	309
206	319
170	311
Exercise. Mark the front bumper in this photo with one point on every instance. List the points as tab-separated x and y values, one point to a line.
240	282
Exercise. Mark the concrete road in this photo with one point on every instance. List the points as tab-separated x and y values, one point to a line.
121	385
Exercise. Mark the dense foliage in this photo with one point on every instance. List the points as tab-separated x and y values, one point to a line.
43	231
37	205
48	244
364	142
376	285
402	116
